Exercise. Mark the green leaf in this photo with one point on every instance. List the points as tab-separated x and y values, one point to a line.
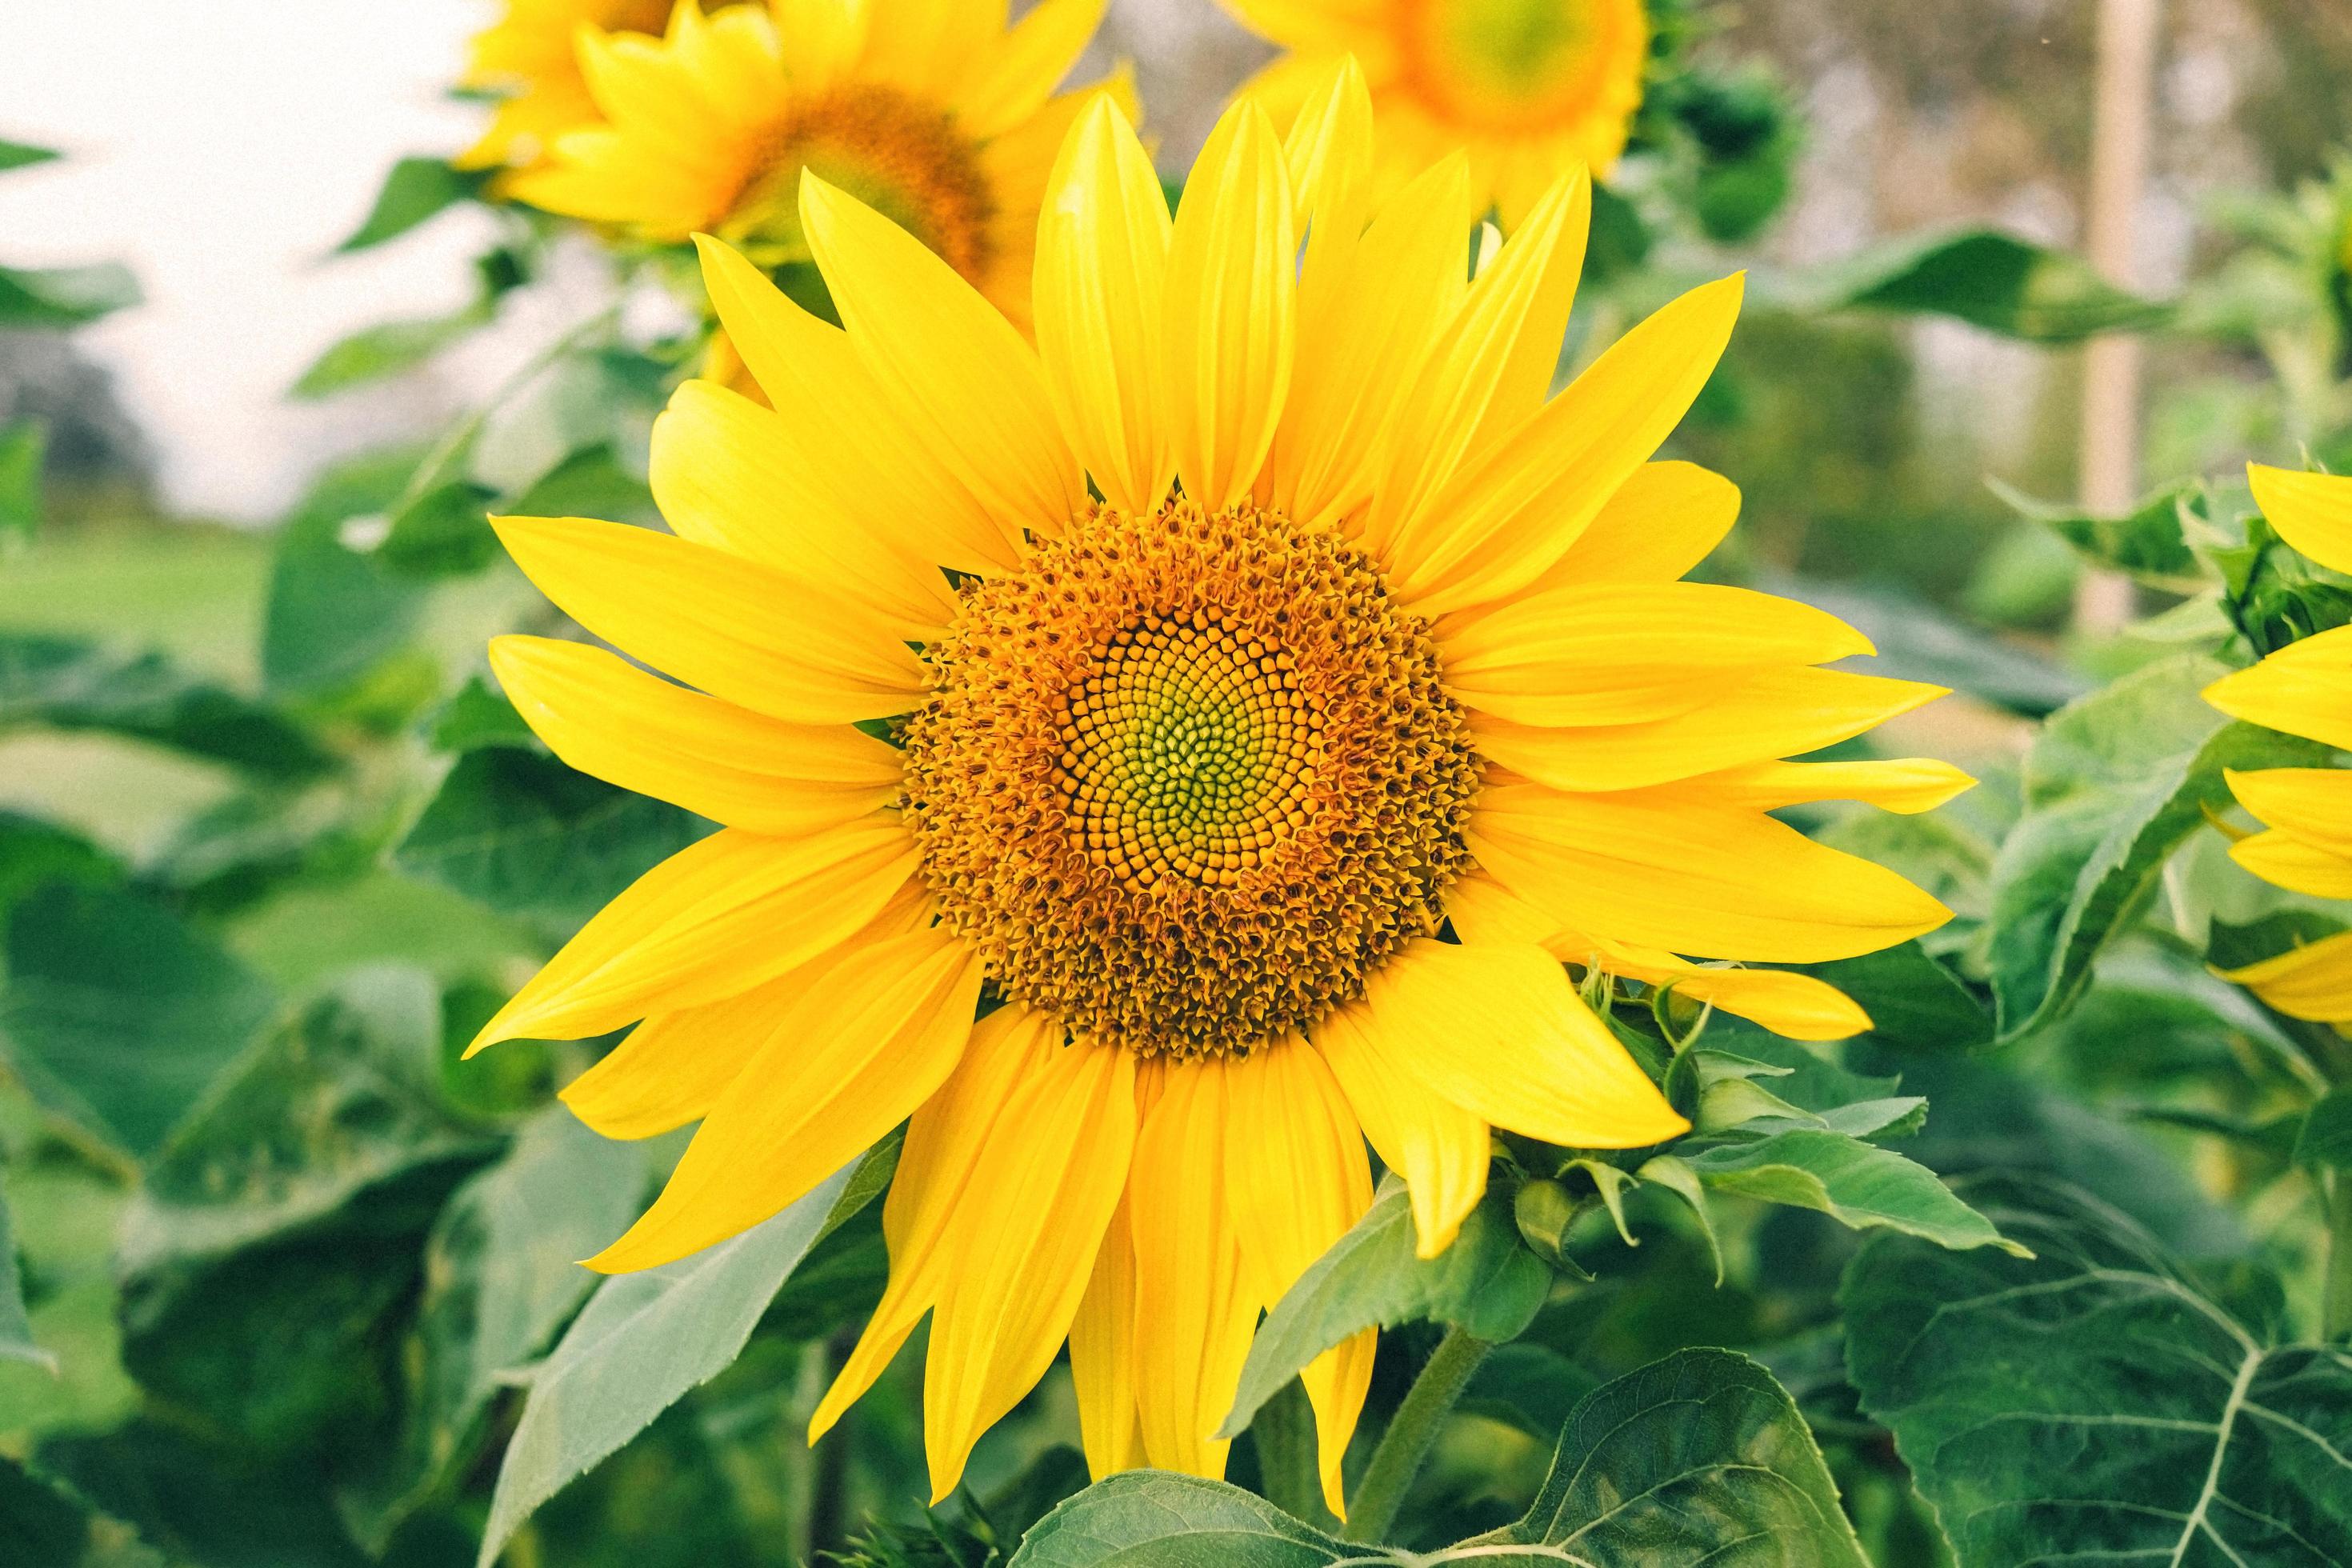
387	349
63	296
1151	1519
1857	1183
23	154
502	1275
336	614
2096	1403
1487	1284
444	532
281	1223
480	716
415	189
1700	1458
2147	542
34	853
527	836
2113	785
65	683
22	445
42	1525
1914	999
2327	1137
590	482
643	1340
117	1015
1989	279
1915	641
16	1328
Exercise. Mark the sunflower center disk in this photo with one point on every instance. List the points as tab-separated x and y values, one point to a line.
1186	779
1506	64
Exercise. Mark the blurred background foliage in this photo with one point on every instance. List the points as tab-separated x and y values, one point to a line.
272	846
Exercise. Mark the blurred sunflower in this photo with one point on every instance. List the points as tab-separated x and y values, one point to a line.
2305	689
1253	792
528	58
1532	87
933	113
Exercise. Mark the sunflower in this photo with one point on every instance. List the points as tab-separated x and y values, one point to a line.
528	58
932	111
1532	87
1277	687
2305	689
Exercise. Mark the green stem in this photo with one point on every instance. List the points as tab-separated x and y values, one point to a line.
1402	1448
2335	1302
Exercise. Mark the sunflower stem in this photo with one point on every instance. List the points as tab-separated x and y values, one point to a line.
1402	1448
2335	1302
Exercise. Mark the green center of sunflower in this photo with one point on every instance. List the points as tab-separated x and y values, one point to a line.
898	155
1510	64
1186	779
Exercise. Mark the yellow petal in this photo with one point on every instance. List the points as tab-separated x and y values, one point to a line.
2312	512
1194	1321
1474	365
1618	653
1517	507
1365	324
2314	804
610	720
858	446
717	918
1229	309
730	474
826	37
2305	689
2313	983
1749	719
1297	1180
1439	1149
1102	266
944	1138
1328	149
1904	786
956	370
1500	1032
1042	1196
737	629
1662	522
1102	1355
2287	861
1653	868
1019	74
869	1040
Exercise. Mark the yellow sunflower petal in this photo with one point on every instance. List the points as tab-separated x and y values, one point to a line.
1619	653
2311	511
614	722
1194	1321
1016	77
855	444
1500	1032
944	1137
959	372
1904	786
732	475
1044	1186
737	629
1327	148
1662	522
1102	267
827	36
2305	689
869	1040
1649	867
2313	983
717	918
1516	508
1230	309
1439	1149
1750	719
2314	804
1102	1355
2287	861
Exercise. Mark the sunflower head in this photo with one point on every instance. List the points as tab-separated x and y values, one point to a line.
528	58
1285	689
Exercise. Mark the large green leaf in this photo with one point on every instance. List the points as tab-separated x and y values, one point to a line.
1989	279
2113	784
2326	1135
2147	542
67	683
1855	1183
63	296
1151	1519
117	1014
22	445
645	1340
1486	1283
502	1276
282	1224
444	532
1916	641
413	189
1913	998
529	836
2097	1403
16	1328
43	1525
387	349
335	613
